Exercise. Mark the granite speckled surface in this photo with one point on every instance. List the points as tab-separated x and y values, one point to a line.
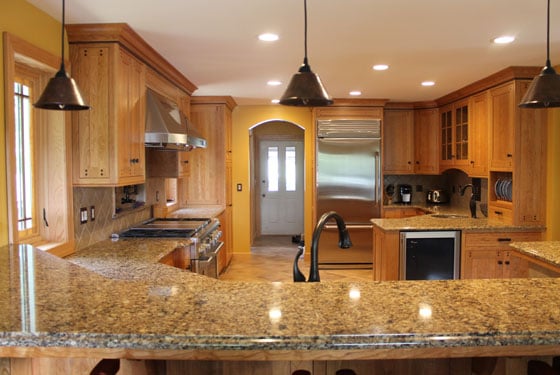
432	222
116	295
546	251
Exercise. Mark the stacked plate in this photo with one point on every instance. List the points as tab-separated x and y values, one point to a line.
502	188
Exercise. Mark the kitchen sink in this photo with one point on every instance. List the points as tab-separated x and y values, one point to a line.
449	216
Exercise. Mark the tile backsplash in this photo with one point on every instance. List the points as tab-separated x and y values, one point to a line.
451	181
105	224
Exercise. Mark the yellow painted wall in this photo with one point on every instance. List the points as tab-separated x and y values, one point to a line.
20	18
244	118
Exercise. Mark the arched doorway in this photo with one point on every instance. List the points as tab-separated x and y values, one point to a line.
277	175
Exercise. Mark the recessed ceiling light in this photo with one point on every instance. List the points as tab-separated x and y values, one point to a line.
504	39
355	93
268	37
274	83
275	101
428	83
380	67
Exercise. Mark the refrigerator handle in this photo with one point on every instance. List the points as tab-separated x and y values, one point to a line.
377	189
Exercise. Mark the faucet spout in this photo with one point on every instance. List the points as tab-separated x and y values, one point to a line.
343	241
472	202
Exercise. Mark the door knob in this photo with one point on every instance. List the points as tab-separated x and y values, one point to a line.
264	195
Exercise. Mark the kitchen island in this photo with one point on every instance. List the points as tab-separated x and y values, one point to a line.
115	300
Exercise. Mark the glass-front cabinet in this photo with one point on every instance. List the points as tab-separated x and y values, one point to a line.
454	126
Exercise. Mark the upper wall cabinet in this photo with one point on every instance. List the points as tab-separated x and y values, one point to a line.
518	140
398	142
454	130
426	141
108	140
478	136
111	62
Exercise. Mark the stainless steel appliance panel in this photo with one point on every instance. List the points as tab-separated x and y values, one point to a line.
359	256
349	183
348	178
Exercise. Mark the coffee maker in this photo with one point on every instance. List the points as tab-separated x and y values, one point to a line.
405	193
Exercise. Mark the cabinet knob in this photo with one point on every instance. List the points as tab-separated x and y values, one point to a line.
507	262
500	262
417	162
509	155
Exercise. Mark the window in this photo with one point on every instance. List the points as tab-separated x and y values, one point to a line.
23	155
38	177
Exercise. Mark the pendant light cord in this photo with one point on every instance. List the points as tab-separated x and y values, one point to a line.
548	34
305	31
62	37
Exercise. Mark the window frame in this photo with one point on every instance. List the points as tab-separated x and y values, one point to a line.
53	190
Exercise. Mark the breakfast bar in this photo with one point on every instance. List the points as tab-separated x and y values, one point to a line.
115	300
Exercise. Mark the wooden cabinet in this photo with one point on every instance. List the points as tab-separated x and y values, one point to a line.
108	140
487	255
518	140
426	141
385	254
454	135
478	136
398	142
210	169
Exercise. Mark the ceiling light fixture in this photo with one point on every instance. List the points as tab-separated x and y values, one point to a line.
268	37
428	83
355	93
380	67
505	39
305	88
544	90
274	83
62	92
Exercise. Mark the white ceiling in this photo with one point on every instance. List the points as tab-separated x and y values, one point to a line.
214	42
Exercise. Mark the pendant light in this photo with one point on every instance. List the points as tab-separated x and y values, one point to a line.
544	91
305	88
62	92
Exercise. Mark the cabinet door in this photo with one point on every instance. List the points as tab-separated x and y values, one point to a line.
446	136
426	141
478	136
481	264
398	142
91	146
130	118
502	119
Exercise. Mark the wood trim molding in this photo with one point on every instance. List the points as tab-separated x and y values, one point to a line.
124	35
228	101
505	75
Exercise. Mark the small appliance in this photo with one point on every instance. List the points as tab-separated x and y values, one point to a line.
405	192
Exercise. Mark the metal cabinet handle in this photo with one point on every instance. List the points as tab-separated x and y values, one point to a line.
504	239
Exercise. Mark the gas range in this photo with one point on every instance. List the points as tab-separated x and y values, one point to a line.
204	233
171	227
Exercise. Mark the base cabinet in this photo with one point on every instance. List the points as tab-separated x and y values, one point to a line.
385	255
441	366
487	255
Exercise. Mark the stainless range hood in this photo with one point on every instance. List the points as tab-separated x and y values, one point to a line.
167	127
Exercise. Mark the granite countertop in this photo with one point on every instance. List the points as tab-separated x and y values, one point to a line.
197	212
545	251
430	221
114	298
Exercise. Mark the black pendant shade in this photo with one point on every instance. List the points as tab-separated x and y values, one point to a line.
544	91
305	88
62	92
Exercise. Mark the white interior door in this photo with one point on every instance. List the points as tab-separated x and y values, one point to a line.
281	187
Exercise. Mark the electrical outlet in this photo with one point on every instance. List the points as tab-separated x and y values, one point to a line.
83	215
239	187
92	213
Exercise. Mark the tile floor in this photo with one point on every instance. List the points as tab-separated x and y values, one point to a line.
271	259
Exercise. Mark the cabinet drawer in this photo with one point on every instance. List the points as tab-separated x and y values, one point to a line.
498	240
500	214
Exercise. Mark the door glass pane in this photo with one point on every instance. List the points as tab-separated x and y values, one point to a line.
290	168
272	160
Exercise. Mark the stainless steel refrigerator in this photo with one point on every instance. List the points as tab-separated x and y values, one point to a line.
348	182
